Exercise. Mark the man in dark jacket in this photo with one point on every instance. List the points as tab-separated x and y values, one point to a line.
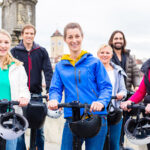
122	57
36	60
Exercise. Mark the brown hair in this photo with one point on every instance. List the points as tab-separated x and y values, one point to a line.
112	36
72	26
28	26
8	59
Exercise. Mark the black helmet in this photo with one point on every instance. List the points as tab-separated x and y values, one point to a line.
86	128
138	131
12	125
114	114
35	113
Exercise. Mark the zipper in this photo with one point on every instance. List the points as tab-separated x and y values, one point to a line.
79	76
94	93
76	84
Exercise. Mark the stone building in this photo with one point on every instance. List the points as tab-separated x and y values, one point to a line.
57	47
15	14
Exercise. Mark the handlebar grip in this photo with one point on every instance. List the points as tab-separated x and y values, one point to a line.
114	97
136	106
15	102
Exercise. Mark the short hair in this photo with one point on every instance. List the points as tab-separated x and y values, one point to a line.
72	26
112	36
104	46
28	26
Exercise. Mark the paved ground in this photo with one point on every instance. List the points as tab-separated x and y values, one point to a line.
54	146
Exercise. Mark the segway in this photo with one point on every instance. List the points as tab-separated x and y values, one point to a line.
35	113
81	129
12	125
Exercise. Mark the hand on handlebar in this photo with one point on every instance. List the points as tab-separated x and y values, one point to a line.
124	105
53	104
96	106
23	101
119	96
147	109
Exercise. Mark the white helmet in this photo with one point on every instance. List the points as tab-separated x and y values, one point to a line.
138	132
12	125
54	113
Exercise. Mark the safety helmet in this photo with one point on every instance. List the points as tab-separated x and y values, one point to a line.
138	131
114	114
35	112
12	125
54	113
86	128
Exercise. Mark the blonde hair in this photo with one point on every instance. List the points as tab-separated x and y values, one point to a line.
104	46
8	58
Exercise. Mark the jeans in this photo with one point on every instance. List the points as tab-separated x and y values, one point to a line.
115	133
94	143
11	144
39	141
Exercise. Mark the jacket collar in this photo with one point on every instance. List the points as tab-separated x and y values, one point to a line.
66	62
22	47
118	68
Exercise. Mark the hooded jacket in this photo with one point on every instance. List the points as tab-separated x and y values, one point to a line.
85	82
35	61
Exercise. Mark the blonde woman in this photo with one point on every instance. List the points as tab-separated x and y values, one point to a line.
116	75
13	79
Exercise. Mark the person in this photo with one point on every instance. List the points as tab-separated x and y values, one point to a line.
123	58
143	91
84	79
116	75
36	60
13	83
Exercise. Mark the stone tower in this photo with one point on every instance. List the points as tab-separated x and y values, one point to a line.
15	14
57	46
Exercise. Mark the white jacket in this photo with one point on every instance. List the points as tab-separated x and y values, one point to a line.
18	83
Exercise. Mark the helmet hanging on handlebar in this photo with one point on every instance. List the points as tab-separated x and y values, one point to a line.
114	114
12	125
35	112
138	131
86	128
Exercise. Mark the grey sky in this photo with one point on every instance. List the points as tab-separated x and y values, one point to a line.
98	19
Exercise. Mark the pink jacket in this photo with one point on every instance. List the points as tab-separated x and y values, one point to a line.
141	92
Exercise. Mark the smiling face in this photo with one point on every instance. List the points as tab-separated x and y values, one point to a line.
5	44
118	41
105	54
28	36
74	39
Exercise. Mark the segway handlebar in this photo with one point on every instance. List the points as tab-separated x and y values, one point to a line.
38	96
74	104
140	106
6	102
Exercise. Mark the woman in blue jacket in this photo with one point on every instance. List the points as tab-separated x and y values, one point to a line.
116	75
83	78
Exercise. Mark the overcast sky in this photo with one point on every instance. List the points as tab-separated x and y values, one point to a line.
98	19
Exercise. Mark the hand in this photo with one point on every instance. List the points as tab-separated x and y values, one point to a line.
53	104
23	101
119	96
147	109
96	106
136	88
124	105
